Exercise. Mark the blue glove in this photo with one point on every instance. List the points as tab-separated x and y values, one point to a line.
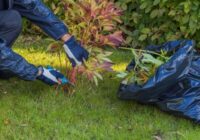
51	76
75	52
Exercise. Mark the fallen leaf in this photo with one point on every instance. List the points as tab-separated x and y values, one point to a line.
6	122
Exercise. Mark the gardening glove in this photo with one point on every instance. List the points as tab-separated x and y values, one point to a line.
51	76
75	52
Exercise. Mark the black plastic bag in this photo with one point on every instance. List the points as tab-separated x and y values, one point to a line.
175	87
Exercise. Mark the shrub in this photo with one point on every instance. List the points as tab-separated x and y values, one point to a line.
94	23
158	21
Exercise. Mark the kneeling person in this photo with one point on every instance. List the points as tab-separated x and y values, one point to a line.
11	63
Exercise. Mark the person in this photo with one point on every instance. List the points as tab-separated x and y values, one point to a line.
11	63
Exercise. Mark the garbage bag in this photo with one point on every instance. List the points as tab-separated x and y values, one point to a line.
175	87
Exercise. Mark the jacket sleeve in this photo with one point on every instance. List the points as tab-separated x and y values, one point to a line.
38	13
13	63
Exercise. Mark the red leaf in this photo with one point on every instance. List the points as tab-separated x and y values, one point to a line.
107	66
116	38
73	74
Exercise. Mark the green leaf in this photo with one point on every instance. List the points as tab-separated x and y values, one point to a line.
122	75
172	13
156	2
145	30
128	40
143	5
154	13
155	36
107	59
98	75
185	19
143	37
96	81
124	6
187	7
147	58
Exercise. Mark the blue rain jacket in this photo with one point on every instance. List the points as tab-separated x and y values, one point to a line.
38	13
42	16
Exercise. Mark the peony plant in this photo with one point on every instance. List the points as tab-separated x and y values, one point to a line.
94	24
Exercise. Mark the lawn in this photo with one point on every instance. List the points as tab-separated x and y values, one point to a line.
32	110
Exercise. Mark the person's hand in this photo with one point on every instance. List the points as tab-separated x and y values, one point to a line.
75	52
51	76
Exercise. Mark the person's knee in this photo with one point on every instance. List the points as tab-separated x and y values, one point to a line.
13	21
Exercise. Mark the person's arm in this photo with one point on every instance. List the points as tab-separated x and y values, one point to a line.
42	16
38	13
14	63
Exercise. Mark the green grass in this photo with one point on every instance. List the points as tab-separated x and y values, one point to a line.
31	110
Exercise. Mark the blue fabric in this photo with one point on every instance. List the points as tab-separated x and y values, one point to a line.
2	5
6	4
13	63
77	50
47	78
10	26
175	87
42	16
168	46
34	10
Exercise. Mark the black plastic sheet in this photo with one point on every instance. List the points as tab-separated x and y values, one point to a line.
175	87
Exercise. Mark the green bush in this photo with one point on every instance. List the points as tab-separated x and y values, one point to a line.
157	21
146	22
